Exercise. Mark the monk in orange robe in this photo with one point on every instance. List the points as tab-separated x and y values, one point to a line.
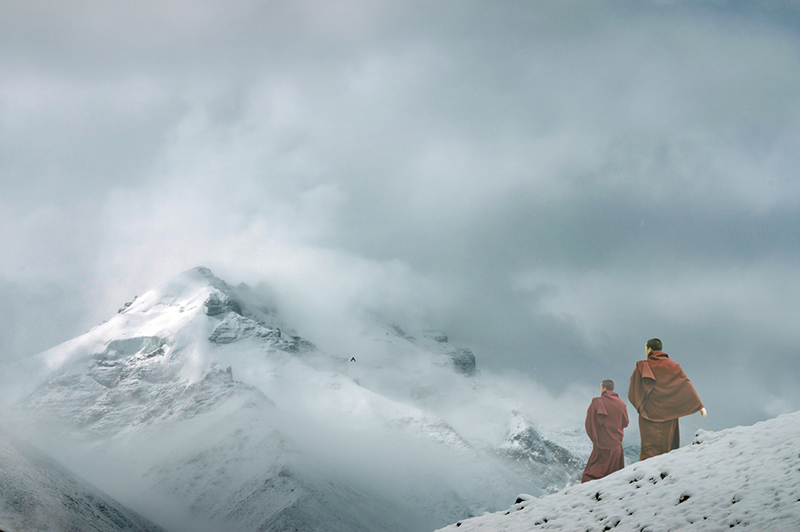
661	393
606	419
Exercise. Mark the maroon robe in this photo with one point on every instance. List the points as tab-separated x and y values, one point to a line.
606	418
661	393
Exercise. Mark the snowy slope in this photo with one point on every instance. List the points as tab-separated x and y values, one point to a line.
211	408
38	494
740	478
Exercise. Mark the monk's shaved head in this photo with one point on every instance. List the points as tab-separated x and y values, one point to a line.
655	344
608	384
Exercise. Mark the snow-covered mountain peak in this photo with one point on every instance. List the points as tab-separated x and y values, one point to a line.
177	324
187	291
531	453
203	395
157	360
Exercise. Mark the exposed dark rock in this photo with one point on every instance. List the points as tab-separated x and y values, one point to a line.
531	454
213	280
298	344
235	327
439	336
124	308
219	303
464	361
564	456
401	332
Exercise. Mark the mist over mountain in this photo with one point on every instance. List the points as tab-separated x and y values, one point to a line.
36	493
200	407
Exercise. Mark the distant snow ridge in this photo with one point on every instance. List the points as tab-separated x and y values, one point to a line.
554	465
38	494
460	358
744	478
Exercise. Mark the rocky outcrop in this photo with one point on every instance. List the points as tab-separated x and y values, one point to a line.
464	361
234	327
532	455
220	303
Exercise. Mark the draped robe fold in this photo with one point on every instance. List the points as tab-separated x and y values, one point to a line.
606	418
661	393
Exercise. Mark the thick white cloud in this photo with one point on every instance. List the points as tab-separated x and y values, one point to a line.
542	180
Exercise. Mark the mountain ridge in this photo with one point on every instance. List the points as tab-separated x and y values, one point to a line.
202	395
36	493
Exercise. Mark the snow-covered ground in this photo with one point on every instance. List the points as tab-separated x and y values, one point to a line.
744	478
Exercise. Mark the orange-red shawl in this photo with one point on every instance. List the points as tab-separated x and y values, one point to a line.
660	390
606	418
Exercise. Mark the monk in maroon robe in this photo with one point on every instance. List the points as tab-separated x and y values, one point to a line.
605	420
661	393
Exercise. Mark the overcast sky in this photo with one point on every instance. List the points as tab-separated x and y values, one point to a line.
550	182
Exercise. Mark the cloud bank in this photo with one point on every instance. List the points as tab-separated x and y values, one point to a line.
548	183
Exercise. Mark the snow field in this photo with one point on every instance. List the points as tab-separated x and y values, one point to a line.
744	478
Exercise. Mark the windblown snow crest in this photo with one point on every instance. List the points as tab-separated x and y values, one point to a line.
198	398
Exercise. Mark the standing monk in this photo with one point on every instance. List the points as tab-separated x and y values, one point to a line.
661	393
605	420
